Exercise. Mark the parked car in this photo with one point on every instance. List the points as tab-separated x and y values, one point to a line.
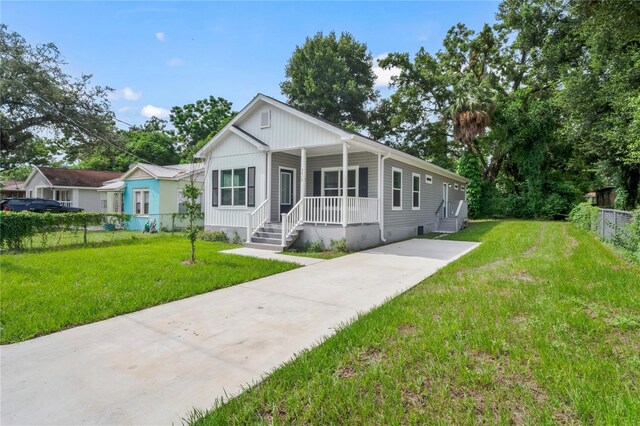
38	205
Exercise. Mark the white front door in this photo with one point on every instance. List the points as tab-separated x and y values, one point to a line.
445	198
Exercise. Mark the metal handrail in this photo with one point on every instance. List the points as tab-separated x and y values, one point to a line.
439	207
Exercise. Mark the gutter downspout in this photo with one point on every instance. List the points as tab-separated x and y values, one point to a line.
381	192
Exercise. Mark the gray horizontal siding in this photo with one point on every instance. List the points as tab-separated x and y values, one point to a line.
281	159
430	197
360	159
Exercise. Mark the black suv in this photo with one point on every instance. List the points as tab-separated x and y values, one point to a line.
38	205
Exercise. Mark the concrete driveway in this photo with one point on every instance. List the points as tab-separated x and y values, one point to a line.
155	365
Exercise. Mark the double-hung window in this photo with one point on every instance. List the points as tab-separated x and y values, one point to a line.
415	191
332	182
396	191
141	202
233	187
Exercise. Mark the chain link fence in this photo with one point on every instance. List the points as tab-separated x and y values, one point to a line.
612	222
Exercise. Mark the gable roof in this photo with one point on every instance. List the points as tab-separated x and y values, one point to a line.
62	176
344	133
12	185
171	172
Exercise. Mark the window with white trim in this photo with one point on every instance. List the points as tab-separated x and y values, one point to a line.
396	189
332	182
428	179
181	198
265	118
233	187
415	191
141	202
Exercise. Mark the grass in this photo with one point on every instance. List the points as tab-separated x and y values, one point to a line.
328	254
66	239
540	324
49	291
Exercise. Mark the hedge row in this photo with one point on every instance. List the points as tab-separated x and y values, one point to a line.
18	227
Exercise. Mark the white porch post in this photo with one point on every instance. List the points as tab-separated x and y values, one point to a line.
345	181
267	194
303	180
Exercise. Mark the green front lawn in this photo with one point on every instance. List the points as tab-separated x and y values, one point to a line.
540	324
48	291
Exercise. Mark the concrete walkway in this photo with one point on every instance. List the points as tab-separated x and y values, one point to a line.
155	365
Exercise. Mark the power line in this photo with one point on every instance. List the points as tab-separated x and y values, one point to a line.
79	125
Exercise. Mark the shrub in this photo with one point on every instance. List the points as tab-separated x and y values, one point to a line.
214	236
18	227
236	238
339	245
585	216
314	247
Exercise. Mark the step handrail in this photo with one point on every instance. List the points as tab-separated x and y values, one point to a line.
439	207
257	218
290	221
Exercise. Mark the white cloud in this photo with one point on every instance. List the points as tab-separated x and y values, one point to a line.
127	94
160	36
154	111
175	62
131	95
383	76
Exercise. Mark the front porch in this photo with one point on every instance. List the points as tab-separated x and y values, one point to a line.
307	187
62	195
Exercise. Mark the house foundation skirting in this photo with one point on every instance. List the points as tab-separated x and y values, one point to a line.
229	230
358	236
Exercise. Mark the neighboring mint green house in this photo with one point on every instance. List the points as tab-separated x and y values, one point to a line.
151	192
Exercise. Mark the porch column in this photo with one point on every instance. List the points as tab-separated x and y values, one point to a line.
303	180
267	193
345	181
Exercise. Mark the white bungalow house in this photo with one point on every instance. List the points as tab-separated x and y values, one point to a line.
70	187
274	175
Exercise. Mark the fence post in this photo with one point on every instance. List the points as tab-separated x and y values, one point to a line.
85	233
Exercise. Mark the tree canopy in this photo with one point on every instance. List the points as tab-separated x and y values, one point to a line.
332	77
39	98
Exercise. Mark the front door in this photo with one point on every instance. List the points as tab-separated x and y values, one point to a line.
445	198
287	185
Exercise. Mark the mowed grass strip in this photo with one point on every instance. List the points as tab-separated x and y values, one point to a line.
49	291
538	325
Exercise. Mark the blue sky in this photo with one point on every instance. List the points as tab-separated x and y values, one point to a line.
160	54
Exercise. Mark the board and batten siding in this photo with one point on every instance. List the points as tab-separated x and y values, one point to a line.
400	224
360	159
287	161
234	216
286	130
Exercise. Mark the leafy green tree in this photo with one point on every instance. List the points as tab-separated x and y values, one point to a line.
191	195
331	77
149	143
38	97
601	92
196	123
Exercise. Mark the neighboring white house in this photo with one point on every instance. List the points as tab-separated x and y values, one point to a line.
70	187
274	175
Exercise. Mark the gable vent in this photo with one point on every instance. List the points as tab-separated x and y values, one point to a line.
265	118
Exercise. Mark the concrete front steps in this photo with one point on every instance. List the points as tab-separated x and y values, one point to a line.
269	237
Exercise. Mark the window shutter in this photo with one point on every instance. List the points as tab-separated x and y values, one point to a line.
317	183
363	182
214	188
251	187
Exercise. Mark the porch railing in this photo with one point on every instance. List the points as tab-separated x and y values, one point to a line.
257	218
328	210
291	220
461	214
